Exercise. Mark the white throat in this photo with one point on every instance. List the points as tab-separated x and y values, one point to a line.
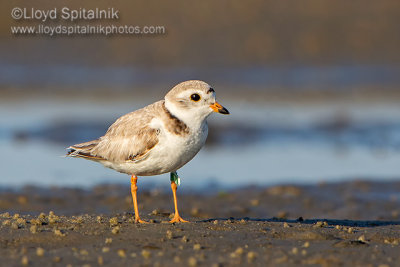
193	118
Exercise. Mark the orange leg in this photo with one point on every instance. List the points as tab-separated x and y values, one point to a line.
134	198
176	218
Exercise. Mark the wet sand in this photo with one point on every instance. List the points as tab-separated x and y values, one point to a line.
350	224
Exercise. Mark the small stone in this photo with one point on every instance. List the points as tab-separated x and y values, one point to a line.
100	260
115	230
286	225
350	230
133	255
215	222
196	246
108	240
303	252
78	220
238	252
58	232
155	212
24	260
362	239
105	249
16	216
21	221
121	253
98	219
41	216
5	215
338	227
40	252
251	256
6	223
15	226
306	244
319	224
177	259
113	221
56	259
192	261
146	254
169	234
185	239
84	252
295	251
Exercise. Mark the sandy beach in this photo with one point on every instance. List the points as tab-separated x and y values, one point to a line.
342	224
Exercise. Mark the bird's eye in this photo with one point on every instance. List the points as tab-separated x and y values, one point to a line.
195	97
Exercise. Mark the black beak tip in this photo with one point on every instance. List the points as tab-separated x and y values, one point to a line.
223	111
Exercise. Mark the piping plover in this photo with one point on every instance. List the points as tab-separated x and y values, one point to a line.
159	138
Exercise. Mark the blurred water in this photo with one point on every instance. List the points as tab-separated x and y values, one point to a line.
258	144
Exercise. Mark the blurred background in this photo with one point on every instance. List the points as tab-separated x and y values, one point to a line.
312	87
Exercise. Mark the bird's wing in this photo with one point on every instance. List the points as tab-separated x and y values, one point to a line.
130	138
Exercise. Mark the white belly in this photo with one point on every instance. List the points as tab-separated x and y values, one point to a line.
170	154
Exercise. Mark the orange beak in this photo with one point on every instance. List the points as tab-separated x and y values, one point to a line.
216	107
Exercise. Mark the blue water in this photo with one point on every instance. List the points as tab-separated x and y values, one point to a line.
258	144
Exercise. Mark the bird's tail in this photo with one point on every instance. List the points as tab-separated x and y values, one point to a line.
84	150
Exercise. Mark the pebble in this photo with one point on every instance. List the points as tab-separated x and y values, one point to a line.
146	254
84	252
286	225
58	232
24	260
56	259
98	219
295	251
33	229
100	260
105	249
7	223
115	230
350	230
306	244
362	239
40	251
169	234
133	255
196	246
121	253
251	256
192	261
185	239
16	216
304	252
5	215
14	225
338	227
239	251
113	221
108	240
215	221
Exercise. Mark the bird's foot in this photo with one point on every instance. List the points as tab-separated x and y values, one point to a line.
177	218
138	220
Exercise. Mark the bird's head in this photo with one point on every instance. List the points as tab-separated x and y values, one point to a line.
193	99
